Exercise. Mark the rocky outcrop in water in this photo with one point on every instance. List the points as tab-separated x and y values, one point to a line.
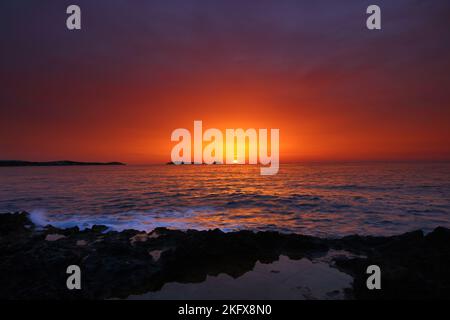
33	261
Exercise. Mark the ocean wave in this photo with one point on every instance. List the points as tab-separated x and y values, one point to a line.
180	219
330	200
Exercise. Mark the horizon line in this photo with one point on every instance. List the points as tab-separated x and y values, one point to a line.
281	162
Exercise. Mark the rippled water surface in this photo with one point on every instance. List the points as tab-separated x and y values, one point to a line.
319	199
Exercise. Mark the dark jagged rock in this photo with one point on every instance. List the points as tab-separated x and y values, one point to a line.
117	264
14	224
413	266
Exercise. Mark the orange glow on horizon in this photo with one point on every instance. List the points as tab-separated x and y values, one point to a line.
117	91
312	126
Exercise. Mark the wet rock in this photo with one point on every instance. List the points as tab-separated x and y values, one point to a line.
140	237
118	264
81	243
155	254
99	229
413	266
54	237
14	223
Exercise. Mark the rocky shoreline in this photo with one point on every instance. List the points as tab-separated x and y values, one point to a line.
33	260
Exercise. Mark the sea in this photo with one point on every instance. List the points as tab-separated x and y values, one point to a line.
321	199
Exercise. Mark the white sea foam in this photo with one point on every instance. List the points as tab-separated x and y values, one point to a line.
39	217
136	220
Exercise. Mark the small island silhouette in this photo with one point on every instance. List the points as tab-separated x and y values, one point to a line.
191	163
20	163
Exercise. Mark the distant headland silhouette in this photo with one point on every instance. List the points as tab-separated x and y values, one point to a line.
20	163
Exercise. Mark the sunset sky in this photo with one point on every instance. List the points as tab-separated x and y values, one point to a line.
137	70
